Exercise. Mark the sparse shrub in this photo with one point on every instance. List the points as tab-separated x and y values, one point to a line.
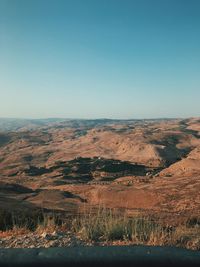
24	220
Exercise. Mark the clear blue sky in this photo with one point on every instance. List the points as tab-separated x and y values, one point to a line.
99	58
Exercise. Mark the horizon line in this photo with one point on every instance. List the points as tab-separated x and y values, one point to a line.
97	118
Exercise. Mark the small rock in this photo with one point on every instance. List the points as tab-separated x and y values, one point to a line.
46	236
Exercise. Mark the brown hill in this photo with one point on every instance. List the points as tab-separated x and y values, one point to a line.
147	166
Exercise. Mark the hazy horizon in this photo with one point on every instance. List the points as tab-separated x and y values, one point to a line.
93	59
95	118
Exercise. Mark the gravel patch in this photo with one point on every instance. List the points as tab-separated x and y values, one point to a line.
45	240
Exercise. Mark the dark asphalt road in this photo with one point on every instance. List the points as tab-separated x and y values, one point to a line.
100	256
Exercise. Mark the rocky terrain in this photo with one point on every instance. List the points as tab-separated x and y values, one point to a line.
148	167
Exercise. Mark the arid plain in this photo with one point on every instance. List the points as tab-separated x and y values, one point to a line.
140	167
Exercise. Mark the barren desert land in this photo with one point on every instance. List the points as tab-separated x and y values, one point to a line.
76	182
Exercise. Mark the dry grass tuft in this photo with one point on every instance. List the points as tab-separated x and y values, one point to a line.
109	226
106	226
15	231
48	223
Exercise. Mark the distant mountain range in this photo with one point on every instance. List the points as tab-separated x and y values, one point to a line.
16	124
